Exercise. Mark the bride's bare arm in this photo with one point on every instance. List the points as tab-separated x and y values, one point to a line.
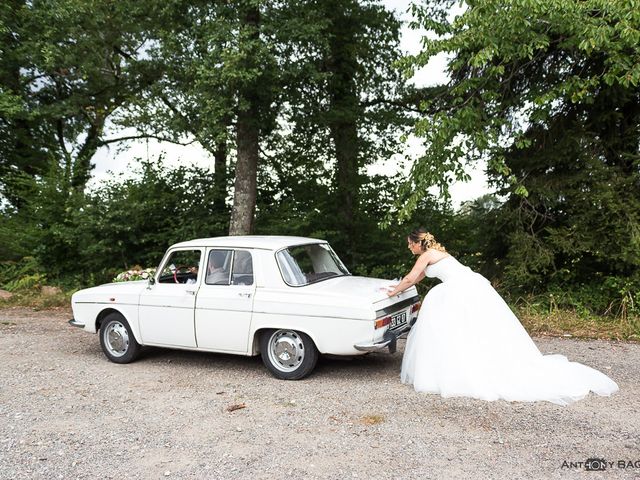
414	276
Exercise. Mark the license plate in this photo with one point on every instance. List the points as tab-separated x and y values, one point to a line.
398	320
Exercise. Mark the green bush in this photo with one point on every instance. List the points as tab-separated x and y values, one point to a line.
21	275
613	298
26	283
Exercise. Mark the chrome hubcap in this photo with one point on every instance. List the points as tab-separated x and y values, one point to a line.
116	339
286	350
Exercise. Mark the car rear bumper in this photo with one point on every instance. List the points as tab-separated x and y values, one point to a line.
389	341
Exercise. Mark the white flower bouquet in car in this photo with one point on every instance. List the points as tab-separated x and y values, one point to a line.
135	274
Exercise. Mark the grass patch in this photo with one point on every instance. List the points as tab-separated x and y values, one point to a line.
38	301
559	323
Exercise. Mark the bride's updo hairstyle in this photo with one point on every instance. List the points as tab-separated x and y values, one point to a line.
425	239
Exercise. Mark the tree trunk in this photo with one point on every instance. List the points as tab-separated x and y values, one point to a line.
220	176
342	119
81	169
347	180
244	199
247	136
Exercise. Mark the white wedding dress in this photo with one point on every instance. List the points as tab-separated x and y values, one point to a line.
467	342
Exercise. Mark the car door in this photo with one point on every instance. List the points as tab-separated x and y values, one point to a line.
166	309
224	302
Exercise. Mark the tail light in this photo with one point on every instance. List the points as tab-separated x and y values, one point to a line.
382	322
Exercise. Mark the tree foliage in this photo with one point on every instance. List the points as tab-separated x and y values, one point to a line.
64	70
514	65
547	93
217	84
341	109
312	83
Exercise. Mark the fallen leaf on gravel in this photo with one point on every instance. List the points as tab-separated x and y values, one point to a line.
237	406
220	393
372	419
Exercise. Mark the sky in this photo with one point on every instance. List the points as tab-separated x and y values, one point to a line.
114	159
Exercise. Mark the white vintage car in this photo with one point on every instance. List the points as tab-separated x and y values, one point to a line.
288	299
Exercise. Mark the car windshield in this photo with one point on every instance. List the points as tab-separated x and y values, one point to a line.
307	264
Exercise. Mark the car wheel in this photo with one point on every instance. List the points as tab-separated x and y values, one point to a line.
289	355
117	340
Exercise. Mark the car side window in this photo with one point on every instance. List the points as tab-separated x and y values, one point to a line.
219	267
181	267
242	273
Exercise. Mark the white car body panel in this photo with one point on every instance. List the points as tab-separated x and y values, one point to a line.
223	317
123	297
166	315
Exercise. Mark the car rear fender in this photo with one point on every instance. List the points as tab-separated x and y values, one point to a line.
255	343
330	335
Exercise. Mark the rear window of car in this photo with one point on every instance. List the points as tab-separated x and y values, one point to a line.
305	264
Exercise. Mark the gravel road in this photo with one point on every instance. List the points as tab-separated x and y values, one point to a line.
66	412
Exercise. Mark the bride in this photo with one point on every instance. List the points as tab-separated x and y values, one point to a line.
467	342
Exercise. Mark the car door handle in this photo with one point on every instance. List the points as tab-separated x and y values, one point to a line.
191	292
246	295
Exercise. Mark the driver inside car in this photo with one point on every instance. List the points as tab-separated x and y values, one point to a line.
193	275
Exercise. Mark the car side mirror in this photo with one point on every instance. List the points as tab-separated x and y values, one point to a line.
152	281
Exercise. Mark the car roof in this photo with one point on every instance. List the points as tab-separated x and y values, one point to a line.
265	242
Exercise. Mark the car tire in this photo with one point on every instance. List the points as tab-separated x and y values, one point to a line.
288	354
117	340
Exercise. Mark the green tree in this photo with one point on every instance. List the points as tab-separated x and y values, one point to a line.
216	85
342	110
515	64
64	70
258	81
547	92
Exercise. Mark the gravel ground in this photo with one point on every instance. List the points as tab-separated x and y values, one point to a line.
66	412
